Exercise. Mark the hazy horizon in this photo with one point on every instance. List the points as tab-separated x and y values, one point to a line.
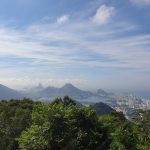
91	44
141	94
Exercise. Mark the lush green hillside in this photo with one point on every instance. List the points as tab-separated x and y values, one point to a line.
102	109
64	125
15	116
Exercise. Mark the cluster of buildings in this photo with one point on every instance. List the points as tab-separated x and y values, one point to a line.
128	103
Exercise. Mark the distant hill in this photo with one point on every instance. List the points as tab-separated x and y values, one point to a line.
8	93
102	92
120	102
50	93
102	109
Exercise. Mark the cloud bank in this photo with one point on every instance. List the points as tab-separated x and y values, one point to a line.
90	50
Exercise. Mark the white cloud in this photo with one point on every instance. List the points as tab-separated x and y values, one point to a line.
67	46
103	14
141	2
49	51
63	19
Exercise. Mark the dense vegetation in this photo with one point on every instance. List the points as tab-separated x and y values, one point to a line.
102	109
65	125
15	116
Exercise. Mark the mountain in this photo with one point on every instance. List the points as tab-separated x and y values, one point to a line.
50	93
8	93
117	101
102	109
101	92
72	91
120	102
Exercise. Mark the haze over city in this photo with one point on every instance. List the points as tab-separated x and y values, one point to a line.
91	44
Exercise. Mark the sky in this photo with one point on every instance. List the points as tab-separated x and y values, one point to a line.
90	43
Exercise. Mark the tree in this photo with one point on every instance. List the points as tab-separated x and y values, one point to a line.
63	125
121	132
142	119
15	116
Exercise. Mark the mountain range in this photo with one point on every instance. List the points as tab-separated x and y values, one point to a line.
120	102
8	93
49	93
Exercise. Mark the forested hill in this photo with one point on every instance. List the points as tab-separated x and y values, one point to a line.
102	109
64	124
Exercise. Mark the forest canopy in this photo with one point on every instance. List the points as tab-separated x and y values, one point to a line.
64	125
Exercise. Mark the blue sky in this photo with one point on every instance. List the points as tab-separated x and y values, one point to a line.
90	43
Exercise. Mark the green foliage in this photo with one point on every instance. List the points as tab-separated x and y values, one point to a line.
125	135
142	119
33	139
15	116
64	126
102	109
